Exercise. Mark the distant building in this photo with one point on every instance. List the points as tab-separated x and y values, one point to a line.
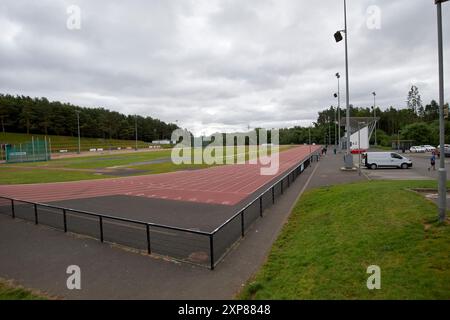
163	142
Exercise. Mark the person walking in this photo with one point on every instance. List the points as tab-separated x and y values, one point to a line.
432	162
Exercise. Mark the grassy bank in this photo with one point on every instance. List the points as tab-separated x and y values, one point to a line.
71	143
8	291
335	233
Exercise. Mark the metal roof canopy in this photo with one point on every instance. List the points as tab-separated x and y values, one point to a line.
355	120
356	125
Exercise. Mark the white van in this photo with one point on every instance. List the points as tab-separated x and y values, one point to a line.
373	160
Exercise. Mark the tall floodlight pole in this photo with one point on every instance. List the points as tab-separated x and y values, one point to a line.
309	131
349	158
442	171
338	76
329	129
375	115
79	137
135	130
335	130
359	148
338	37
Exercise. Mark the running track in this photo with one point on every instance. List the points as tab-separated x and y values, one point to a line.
227	185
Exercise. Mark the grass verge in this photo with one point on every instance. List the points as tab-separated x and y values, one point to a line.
9	291
335	233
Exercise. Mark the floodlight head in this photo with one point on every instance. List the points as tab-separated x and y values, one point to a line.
374	93
338	75
338	36
335	95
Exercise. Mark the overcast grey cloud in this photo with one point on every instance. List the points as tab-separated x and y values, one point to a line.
219	64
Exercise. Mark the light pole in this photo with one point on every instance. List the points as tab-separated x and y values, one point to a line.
79	138
136	132
309	131
359	146
442	188
338	37
338	96
335	131
329	129
375	115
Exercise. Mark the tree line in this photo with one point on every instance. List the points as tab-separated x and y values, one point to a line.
23	114
415	122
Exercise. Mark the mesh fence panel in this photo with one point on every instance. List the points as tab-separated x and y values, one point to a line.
251	214
182	245
130	234
51	217
84	224
277	190
35	150
267	199
24	210
5	207
226	237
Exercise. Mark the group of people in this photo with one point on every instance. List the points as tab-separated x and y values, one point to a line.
325	149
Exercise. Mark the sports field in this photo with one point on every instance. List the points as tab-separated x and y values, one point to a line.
107	165
226	184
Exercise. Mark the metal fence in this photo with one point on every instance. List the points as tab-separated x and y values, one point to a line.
35	150
193	246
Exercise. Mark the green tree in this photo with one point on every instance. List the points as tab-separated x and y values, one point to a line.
414	101
420	132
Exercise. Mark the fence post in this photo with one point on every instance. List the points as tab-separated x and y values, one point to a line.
273	195
289	180
149	249
260	207
242	223
35	214
211	250
12	209
281	186
101	228
65	220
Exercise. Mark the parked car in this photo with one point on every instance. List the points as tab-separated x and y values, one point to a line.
428	148
446	150
374	160
417	149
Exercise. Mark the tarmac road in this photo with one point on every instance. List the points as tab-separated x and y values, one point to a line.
419	170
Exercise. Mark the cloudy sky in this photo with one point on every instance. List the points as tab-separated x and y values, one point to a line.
219	64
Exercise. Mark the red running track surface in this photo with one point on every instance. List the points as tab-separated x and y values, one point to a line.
227	184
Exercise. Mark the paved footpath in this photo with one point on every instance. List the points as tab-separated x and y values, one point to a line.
37	256
329	173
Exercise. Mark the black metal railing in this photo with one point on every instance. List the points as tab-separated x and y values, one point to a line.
193	246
